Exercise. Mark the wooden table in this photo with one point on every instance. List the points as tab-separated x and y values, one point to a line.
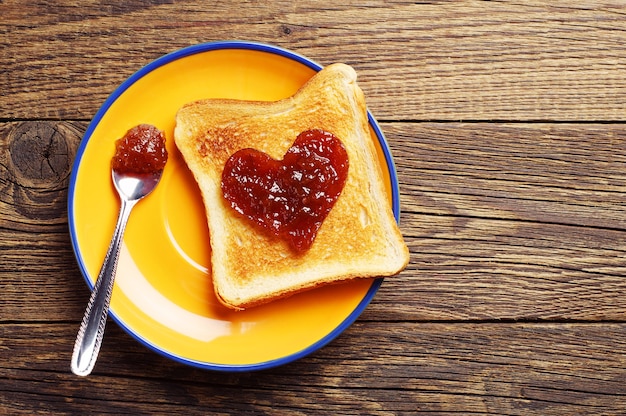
507	124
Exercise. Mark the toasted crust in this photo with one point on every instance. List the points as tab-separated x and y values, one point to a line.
358	239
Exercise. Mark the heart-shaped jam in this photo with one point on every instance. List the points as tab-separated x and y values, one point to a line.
289	197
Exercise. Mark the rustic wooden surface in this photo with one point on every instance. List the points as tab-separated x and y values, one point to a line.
507	124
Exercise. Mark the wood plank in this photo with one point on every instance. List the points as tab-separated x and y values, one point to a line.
504	221
568	174
373	368
39	277
510	220
428	61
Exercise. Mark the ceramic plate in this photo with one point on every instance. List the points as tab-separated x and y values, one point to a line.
163	294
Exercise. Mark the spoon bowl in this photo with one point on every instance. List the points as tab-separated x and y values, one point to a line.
135	186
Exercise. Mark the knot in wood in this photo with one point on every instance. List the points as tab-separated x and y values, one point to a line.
39	153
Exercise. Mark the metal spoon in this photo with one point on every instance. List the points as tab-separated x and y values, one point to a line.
131	189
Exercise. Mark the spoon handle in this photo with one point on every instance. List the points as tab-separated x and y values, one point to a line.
91	330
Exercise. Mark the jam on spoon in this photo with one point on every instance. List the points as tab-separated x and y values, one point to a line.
291	197
141	150
136	170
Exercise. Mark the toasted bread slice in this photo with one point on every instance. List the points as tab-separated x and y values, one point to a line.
359	238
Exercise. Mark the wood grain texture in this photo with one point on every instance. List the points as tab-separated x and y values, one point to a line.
427	61
510	221
36	254
483	369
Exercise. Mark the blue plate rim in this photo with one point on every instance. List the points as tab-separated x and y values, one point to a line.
161	61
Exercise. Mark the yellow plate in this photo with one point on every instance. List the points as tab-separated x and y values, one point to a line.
163	294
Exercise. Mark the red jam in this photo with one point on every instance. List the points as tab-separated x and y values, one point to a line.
141	150
289	197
